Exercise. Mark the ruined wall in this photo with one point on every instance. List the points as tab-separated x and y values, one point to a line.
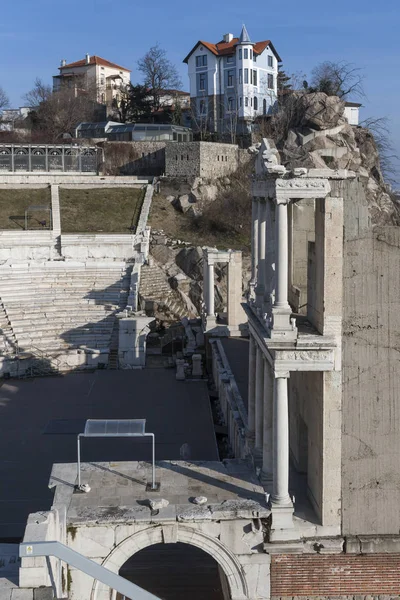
306	431
371	375
301	232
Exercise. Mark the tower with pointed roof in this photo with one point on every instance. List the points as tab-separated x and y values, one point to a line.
232	83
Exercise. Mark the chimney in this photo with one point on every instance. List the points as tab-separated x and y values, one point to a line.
63	62
228	37
87	59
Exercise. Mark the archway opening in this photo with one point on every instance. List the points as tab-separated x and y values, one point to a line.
176	572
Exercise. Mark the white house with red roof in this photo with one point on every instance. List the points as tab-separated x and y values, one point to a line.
232	82
94	73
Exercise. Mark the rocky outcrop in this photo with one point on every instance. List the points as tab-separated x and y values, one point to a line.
320	137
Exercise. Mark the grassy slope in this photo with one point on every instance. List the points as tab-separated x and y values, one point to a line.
198	232
13	204
102	210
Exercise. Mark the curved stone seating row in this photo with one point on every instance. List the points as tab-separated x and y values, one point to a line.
59	307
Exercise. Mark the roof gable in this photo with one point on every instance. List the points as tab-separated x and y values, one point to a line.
229	48
94	60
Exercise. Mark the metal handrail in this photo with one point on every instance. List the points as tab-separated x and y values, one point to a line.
80	562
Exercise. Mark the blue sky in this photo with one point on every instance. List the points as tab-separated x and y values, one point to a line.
36	34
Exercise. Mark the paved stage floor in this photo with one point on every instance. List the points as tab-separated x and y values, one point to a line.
177	412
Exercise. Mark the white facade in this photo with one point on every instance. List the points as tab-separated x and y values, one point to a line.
234	80
352	112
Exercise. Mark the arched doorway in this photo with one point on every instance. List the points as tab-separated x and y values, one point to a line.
237	588
176	572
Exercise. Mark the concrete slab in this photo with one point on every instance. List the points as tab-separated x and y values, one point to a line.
118	492
177	412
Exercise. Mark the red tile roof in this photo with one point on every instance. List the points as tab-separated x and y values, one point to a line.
228	48
94	60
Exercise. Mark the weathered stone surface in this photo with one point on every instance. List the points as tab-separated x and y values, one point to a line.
158	503
320	111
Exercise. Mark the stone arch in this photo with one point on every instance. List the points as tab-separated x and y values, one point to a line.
159	534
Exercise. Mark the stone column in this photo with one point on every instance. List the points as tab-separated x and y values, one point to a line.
236	315
280	494
210	290
267	461
251	403
260	289
205	282
259	409
254	240
282	258
269	257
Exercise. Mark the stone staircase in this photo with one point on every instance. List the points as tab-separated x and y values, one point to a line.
47	310
156	295
8	342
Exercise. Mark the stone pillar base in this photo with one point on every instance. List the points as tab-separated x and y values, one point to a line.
283	527
283	327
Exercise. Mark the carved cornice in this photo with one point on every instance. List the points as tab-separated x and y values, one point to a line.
285	190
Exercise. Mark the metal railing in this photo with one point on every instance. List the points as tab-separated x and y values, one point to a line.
48	158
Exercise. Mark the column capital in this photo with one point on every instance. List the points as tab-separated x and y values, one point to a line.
281	374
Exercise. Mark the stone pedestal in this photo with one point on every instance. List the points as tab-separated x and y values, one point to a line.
197	369
133	330
180	369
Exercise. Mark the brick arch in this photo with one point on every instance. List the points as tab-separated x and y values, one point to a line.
186	535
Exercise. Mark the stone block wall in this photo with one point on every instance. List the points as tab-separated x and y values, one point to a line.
338	576
200	159
133	158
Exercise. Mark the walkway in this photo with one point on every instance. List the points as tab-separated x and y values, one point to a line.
237	353
39	420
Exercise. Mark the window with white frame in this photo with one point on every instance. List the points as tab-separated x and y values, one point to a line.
246	76
240	54
231	78
240	76
254	76
202	82
270	61
251	54
231	103
270	81
245	53
246	101
229	59
241	101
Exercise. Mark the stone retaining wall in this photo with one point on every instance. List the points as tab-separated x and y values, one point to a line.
201	159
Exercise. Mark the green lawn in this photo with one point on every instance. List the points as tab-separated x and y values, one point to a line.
14	203
100	210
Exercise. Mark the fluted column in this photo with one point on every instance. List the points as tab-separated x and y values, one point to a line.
267	460
282	258
280	494
251	403
210	290
260	289
254	240
259	397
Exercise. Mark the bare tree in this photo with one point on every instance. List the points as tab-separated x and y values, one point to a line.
4	101
159	74
39	93
380	129
337	79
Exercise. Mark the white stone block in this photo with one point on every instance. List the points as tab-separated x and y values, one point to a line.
240	537
92	541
